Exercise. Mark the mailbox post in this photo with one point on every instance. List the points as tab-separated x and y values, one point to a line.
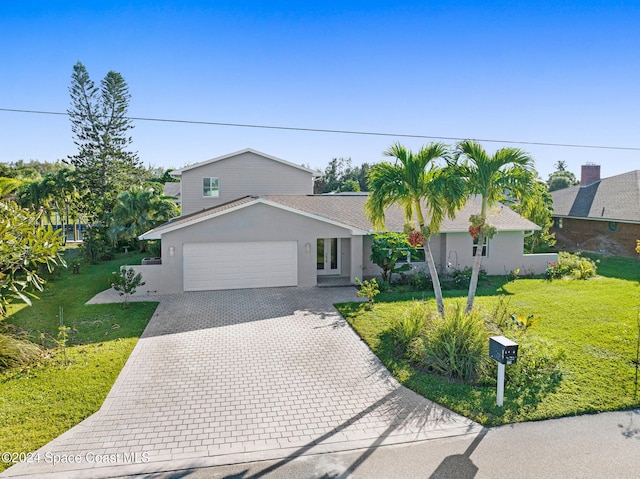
504	351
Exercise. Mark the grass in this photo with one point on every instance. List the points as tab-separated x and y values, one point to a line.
594	322
41	401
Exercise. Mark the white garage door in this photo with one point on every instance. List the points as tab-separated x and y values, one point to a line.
209	266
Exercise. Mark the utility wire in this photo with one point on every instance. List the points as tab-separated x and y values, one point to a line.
343	132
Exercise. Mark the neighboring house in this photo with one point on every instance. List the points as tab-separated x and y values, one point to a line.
600	215
251	220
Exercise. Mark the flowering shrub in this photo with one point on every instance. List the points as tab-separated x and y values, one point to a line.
416	238
571	266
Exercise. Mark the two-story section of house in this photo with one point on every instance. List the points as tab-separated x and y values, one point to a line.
251	220
247	172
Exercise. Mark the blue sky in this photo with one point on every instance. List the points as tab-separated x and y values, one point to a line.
545	71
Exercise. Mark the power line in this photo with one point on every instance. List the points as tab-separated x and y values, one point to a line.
343	132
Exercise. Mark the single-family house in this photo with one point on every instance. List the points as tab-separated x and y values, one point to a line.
600	215
251	220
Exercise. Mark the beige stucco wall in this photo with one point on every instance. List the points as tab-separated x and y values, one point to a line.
454	251
505	254
258	223
155	281
242	175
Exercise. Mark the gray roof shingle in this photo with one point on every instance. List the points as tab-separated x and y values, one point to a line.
348	210
616	198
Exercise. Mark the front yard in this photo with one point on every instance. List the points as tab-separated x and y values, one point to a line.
594	322
41	401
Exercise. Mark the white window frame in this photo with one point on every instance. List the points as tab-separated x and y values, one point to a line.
485	247
213	193
408	260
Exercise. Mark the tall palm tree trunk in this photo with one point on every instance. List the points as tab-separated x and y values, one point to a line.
433	271
475	272
477	259
437	289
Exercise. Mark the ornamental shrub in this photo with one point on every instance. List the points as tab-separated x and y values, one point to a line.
368	289
455	347
571	266
410	325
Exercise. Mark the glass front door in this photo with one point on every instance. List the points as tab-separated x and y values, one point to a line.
328	256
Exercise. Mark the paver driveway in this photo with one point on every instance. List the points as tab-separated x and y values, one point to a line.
227	376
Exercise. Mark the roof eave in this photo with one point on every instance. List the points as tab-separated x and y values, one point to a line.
179	172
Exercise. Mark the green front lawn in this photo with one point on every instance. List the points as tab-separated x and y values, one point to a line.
41	401
594	322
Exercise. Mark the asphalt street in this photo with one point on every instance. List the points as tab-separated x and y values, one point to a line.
603	445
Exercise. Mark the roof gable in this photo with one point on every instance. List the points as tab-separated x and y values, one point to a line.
179	172
210	213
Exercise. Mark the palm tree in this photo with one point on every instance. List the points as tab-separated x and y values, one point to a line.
507	170
8	186
139	210
63	194
412	181
35	195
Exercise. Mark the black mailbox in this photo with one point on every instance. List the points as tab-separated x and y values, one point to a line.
503	350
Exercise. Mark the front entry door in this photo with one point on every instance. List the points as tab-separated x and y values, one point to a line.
328	256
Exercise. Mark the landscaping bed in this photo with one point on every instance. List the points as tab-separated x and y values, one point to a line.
591	323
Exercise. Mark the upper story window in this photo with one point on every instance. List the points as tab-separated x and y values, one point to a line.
485	247
557	222
210	187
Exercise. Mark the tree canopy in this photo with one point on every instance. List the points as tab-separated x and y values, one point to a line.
490	176
414	180
561	178
25	247
100	127
138	210
340	176
537	207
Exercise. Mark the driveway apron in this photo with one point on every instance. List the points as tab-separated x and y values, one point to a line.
222	377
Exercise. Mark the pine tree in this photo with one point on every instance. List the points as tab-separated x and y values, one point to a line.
101	133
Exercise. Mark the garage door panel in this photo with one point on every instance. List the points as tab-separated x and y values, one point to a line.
210	266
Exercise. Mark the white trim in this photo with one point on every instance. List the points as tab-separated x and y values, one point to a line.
179	171
485	247
615	220
500	230
154	235
327	271
217	190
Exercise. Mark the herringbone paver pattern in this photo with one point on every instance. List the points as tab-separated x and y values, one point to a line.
226	375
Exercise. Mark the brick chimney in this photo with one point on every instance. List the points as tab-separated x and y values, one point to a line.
590	174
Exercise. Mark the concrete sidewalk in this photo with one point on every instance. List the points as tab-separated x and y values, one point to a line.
223	377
